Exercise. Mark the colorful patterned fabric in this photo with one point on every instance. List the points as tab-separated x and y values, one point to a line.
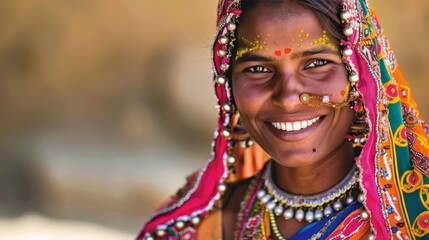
393	163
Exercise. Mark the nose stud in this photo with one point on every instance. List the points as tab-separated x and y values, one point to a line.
313	100
304	98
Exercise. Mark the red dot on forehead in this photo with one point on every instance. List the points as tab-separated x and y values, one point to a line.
288	50
278	53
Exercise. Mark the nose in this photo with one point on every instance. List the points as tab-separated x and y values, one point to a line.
286	91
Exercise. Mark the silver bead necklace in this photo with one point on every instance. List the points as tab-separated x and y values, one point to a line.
307	207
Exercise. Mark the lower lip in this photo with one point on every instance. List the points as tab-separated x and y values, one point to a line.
294	136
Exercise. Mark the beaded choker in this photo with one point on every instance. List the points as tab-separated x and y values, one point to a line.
308	207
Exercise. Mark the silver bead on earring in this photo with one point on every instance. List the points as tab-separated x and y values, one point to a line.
347	52
231	26
361	198
224	40
348	31
227	108
226	133
345	15
195	220
180	225
230	160
354	78
160	233
364	215
221	53
222	188
221	80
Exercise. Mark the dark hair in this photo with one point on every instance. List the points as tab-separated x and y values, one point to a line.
326	11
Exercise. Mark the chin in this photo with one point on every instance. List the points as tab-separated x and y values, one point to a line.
289	159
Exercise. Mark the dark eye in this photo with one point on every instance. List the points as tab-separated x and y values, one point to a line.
316	63
258	69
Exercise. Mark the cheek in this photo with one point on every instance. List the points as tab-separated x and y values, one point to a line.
340	91
249	98
346	119
333	88
242	101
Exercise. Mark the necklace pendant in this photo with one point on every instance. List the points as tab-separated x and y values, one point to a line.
309	216
261	193
318	214
271	205
278	211
299	215
310	208
328	211
350	200
266	199
288	214
338	205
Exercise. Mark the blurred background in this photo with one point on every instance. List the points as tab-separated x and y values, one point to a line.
107	105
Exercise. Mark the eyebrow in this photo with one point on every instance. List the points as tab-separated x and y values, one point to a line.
314	51
252	57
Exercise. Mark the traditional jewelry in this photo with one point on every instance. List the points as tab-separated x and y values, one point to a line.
358	133
313	100
315	236
308	207
275	227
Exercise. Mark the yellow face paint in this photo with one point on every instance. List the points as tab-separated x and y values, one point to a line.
302	36
324	40
250	46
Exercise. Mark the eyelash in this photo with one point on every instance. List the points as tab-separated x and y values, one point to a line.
314	64
317	63
258	69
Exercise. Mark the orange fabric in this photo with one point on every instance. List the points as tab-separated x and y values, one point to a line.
249	161
211	227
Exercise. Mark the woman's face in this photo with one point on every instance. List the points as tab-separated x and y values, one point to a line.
282	52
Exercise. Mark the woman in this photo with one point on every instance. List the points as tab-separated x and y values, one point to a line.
318	135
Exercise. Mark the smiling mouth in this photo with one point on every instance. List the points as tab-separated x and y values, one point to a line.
294	126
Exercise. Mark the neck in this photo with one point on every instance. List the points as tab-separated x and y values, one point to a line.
316	177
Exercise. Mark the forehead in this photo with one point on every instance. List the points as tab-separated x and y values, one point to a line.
278	19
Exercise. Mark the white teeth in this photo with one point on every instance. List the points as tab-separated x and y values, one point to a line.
294	126
304	124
